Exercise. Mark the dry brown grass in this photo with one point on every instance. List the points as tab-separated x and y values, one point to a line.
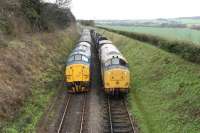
23	61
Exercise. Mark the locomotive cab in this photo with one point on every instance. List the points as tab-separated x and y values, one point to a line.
77	73
116	75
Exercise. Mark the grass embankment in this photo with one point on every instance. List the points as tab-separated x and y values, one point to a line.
43	58
187	50
165	89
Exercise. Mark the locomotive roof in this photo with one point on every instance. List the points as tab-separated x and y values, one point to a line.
86	44
105	42
109	51
87	54
102	38
83	49
86	31
85	38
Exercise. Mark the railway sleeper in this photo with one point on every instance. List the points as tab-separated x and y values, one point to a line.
117	105
118	111
122	115
120	118
121	122
117	108
122	131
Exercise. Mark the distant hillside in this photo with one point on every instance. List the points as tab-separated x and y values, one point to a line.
181	22
195	17
146	23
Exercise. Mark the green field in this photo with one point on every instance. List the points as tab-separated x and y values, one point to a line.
167	33
189	21
165	90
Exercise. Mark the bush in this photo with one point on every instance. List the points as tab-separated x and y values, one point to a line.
87	22
31	10
5	26
46	16
52	16
32	16
187	50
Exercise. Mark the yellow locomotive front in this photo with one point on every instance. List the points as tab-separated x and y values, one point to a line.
116	76
77	77
77	73
116	80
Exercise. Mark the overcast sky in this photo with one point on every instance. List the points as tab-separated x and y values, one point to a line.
134	9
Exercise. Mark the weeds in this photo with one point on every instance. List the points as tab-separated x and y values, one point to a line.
44	62
32	111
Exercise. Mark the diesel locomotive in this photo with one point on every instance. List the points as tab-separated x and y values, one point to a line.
77	70
114	67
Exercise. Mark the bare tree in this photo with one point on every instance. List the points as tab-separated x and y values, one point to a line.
63	3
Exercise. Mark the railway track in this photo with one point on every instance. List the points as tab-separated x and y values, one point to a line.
118	119
70	111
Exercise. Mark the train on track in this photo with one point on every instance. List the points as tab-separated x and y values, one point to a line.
114	67
77	70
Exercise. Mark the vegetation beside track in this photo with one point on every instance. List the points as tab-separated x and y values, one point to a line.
35	37
165	89
45	70
186	50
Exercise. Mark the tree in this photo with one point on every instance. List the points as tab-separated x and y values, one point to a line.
63	3
87	22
